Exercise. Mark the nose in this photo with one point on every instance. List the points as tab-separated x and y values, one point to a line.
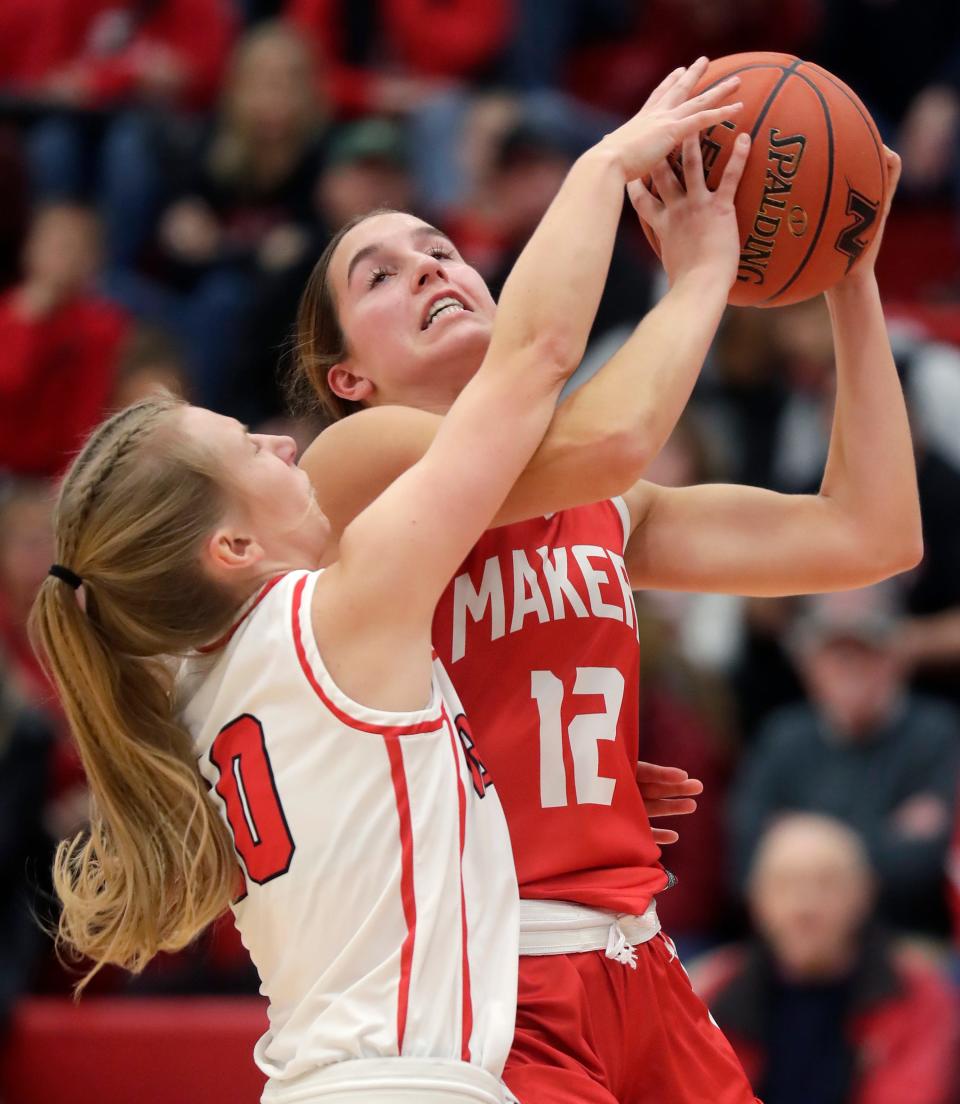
284	447
427	271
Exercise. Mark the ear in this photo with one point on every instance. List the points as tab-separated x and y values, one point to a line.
232	553
348	386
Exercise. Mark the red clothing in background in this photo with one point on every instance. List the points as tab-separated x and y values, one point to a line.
420	38
618	76
902	1022
676	734
105	41
56	375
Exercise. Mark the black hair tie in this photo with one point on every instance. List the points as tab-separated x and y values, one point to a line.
64	574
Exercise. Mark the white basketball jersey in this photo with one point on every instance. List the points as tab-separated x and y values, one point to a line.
379	902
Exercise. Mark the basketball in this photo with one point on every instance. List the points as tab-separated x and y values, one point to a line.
813	187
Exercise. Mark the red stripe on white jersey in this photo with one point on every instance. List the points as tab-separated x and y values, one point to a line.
467	1025
345	718
223	641
407	891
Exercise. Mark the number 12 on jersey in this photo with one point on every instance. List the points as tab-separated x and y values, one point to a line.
583	733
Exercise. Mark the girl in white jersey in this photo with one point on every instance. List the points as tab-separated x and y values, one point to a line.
374	890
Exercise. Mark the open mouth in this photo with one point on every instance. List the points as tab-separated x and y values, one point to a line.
448	304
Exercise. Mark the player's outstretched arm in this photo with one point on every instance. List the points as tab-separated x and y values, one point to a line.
863	526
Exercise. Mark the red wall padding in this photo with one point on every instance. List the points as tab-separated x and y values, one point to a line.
110	1050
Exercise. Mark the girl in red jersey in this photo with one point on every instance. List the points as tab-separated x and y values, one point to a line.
537	626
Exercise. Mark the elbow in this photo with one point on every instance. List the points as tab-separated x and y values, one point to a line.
627	454
885	556
905	546
557	353
910	555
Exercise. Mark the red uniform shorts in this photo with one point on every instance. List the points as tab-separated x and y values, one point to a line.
591	1030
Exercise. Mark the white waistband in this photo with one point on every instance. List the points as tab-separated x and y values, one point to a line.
390	1080
559	927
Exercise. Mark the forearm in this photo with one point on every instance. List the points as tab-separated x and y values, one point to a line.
870	479
931	640
635	400
551	296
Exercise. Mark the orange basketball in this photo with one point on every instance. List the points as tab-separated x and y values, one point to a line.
814	184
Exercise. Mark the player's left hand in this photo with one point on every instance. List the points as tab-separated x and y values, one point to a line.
667	791
864	267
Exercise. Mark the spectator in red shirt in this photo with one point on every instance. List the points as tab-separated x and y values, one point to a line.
104	53
419	60
60	342
821	1006
100	81
390	55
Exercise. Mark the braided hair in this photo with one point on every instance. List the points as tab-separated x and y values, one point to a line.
156	864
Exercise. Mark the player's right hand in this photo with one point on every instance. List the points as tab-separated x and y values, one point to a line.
669	116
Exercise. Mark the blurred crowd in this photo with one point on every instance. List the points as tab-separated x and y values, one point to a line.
169	172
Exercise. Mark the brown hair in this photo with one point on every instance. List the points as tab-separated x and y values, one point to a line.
156	864
319	343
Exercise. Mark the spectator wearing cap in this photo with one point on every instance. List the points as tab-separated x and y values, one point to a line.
367	166
861	748
822	1004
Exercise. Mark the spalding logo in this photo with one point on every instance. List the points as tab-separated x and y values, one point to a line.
797	221
783	156
851	241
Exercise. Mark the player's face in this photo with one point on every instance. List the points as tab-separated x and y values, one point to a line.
388	275
275	497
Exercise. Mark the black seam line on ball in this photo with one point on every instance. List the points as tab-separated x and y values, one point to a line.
826	199
784	73
773	95
871	126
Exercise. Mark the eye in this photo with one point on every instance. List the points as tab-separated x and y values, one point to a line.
441	252
376	277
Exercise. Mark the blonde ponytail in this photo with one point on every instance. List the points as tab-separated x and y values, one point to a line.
157	864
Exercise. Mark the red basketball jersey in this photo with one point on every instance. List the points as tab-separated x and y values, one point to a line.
538	633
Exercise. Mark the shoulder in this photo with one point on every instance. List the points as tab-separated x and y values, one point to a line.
353	460
790	728
379	429
639	500
938	717
921	979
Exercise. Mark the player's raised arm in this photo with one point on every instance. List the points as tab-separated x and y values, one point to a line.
864	524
